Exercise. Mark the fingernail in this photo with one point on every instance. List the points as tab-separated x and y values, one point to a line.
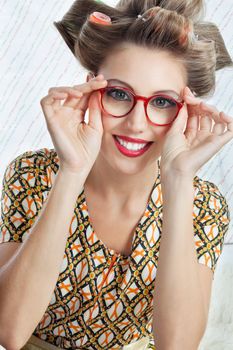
99	76
189	91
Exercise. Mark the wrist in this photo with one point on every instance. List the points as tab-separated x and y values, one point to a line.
73	176
173	184
173	176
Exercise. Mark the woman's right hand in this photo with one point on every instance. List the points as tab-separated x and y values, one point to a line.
77	144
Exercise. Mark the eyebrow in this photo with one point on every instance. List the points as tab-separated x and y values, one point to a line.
155	92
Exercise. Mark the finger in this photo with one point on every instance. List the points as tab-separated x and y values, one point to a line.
82	105
210	110
73	99
95	116
86	89
91	85
202	108
193	106
59	98
205	124
76	91
227	119
195	101
219	128
64	89
61	89
72	94
228	134
192	127
178	124
50	102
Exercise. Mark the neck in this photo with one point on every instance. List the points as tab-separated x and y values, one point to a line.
109	184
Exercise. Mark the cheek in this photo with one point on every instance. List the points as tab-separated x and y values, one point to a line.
160	133
114	126
111	124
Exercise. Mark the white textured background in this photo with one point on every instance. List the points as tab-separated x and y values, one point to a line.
34	57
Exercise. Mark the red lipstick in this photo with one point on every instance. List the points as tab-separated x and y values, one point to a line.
130	139
132	153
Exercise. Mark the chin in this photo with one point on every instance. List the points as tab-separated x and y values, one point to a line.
124	161
127	166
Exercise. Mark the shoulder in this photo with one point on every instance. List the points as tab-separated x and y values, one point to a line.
26	184
210	194
33	162
32	158
211	219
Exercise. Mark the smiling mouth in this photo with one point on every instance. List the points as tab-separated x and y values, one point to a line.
132	140
130	145
131	149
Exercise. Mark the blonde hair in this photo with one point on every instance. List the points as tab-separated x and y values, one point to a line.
161	25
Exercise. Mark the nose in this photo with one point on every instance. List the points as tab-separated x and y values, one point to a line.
136	120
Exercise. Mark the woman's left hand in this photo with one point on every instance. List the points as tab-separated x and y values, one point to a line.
195	136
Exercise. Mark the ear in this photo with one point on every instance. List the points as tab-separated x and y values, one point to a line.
90	75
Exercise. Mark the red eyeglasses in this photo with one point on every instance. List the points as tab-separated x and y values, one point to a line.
160	109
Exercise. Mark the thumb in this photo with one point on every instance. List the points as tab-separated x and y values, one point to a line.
179	124
95	116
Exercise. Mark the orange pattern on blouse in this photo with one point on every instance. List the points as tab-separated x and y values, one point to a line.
102	299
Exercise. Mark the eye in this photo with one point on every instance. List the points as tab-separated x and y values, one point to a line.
119	94
162	102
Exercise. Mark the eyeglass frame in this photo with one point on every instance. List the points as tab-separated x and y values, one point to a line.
137	98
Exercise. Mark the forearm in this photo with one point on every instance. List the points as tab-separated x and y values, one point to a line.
29	278
178	300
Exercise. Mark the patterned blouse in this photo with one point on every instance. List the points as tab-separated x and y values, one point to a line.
102	299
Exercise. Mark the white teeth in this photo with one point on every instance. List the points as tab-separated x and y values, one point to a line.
131	146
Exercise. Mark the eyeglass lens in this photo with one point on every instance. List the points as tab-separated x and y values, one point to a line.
160	109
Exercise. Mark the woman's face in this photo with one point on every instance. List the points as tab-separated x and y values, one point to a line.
145	71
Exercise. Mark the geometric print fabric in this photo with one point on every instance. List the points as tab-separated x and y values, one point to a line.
102	299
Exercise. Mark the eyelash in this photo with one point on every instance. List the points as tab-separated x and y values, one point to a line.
171	102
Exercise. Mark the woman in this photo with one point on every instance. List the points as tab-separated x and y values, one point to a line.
120	239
